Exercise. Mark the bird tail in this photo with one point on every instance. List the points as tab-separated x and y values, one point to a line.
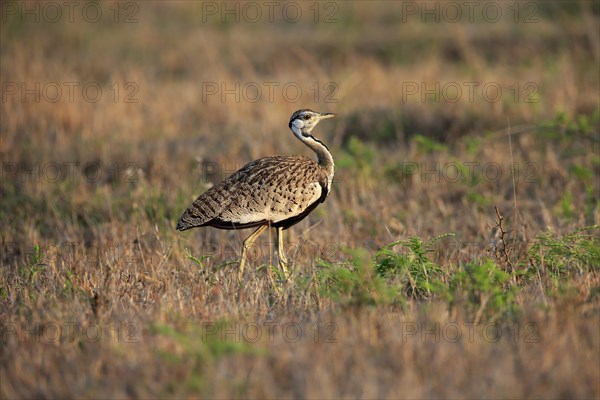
205	208
190	219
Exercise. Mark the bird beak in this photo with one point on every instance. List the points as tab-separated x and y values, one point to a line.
327	115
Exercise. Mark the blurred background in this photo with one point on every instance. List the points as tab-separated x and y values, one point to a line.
154	101
115	116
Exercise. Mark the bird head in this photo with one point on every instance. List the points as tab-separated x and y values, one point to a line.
303	121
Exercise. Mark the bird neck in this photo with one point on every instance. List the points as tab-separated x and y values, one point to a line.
324	157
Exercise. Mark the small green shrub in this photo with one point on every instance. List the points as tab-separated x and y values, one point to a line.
558	256
412	270
483	288
427	145
355	283
357	156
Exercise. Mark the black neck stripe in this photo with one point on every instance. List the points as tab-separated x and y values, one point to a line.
318	141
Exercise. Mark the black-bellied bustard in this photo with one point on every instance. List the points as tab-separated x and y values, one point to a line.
276	191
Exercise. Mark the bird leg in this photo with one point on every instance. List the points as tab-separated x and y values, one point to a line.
282	258
248	244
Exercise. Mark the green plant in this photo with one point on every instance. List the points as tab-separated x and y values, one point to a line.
354	283
558	256
567	209
357	156
198	261
427	145
413	270
30	271
565	126
483	288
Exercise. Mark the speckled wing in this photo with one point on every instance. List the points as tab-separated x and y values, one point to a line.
279	190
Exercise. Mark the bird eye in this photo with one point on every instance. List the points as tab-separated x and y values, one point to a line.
307	117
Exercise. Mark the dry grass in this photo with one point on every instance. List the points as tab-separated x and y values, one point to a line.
101	297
